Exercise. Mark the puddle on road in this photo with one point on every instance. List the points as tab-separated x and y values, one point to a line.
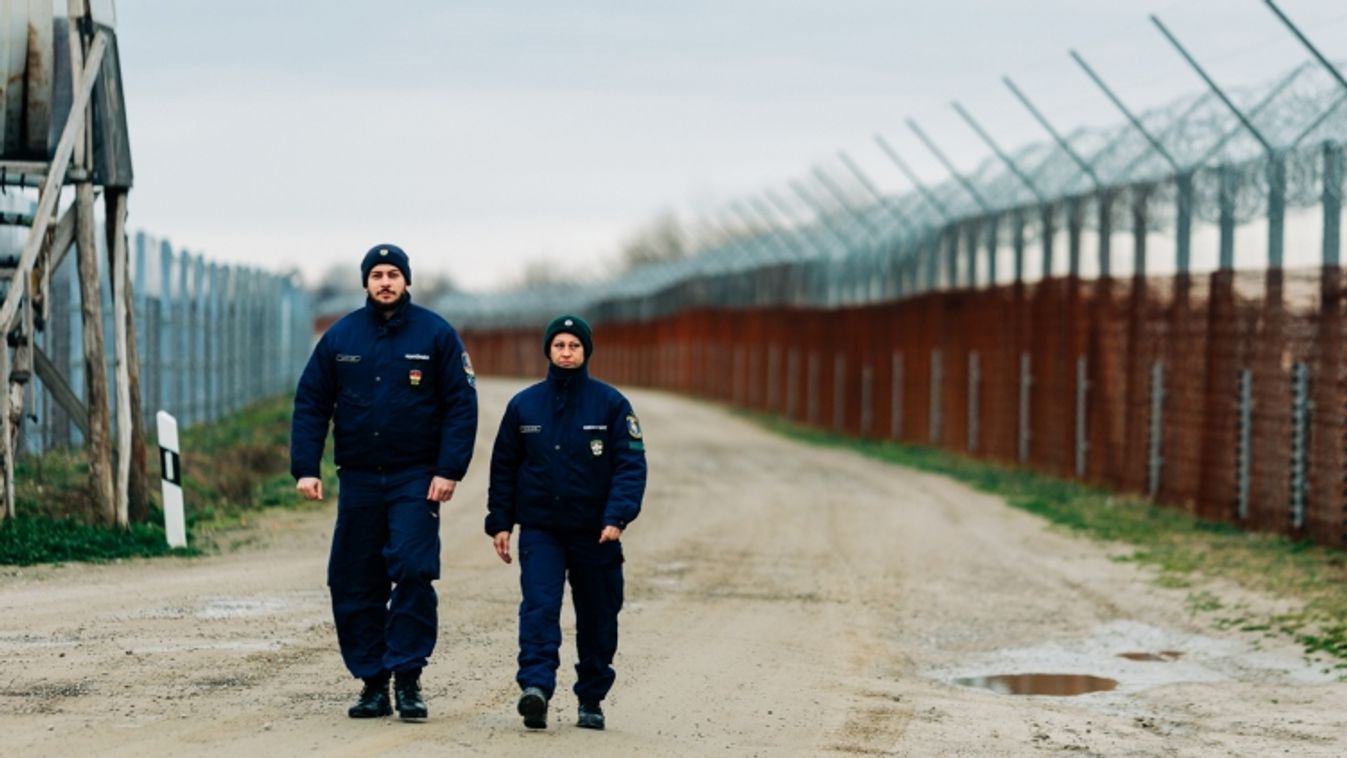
1163	656
1058	685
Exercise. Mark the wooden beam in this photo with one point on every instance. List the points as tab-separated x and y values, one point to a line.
98	442
62	238
128	373
6	449
60	389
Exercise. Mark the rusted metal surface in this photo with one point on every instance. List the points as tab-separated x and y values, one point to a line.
1197	326
27	78
39	79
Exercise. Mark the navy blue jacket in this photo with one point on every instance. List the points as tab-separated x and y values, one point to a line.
401	394
569	455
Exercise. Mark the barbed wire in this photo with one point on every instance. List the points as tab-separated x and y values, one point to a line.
840	243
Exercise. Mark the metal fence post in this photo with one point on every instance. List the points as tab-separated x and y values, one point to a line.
937	383
1332	203
896	398
1184	223
867	401
1243	449
1300	428
839	391
1157	427
974	399
1026	387
1075	226
971	253
1226	203
993	238
773	378
1276	211
812	388
1049	219
1082	407
1017	244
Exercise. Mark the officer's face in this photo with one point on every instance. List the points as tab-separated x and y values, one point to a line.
566	351
385	284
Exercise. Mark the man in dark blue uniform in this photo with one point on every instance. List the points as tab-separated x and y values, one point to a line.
568	466
398	387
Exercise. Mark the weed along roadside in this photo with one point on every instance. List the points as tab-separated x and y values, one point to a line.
230	469
1183	550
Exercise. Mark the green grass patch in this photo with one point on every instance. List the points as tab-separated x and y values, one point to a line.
27	540
231	468
1182	548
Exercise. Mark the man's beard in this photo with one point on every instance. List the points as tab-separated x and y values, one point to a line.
389	307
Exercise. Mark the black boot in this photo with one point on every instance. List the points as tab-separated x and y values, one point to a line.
533	707
591	716
407	691
373	701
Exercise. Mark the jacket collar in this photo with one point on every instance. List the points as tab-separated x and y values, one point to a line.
567	379
400	311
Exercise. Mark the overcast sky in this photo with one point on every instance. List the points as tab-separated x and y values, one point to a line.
482	135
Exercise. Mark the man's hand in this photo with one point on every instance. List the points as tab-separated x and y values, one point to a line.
610	534
311	487
441	489
502	542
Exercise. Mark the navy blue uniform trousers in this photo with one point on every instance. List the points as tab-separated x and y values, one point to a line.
385	553
547	558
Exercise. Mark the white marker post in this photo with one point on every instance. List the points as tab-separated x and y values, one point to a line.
175	524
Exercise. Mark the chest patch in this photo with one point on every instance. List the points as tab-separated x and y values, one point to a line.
416	357
596	447
529	428
595	427
414	377
344	358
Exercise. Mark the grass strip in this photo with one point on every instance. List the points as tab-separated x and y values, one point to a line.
231	468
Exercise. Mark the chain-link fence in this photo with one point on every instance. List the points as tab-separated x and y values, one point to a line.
210	338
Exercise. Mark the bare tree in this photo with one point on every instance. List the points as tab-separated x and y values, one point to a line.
430	286
658	241
542	272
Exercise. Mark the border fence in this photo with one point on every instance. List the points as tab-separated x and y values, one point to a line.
211	339
1113	306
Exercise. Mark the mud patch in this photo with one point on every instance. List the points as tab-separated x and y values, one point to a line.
1053	685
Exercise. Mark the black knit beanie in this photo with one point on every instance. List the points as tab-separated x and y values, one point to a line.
570	325
390	254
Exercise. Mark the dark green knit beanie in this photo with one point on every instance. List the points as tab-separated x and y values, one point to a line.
570	325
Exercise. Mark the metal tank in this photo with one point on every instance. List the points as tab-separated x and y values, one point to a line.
27	76
36	83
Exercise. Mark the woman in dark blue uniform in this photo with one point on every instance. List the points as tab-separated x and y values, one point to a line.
568	467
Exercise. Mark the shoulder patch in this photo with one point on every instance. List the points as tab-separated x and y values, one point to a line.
634	427
467	370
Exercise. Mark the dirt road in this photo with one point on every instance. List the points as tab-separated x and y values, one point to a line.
782	600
